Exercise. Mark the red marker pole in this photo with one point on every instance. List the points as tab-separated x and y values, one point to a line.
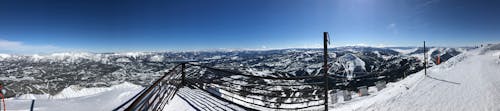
439	60
3	101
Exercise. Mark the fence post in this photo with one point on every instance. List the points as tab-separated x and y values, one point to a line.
32	105
425	61
325	67
183	74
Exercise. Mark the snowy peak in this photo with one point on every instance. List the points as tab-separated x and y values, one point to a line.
4	56
405	51
351	63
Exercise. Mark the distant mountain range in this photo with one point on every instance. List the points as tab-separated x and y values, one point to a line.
51	73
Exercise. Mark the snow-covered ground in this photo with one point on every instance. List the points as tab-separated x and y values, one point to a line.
178	104
469	82
201	100
106	99
76	99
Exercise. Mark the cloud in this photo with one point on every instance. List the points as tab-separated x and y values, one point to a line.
263	47
393	28
428	3
17	46
9	44
425	5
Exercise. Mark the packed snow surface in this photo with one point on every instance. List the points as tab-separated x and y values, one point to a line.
76	99
467	82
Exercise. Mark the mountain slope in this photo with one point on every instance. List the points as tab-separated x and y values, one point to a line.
470	81
75	99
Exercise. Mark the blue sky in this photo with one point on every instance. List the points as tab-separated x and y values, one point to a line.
155	25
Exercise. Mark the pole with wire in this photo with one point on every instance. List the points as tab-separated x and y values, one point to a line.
425	61
325	66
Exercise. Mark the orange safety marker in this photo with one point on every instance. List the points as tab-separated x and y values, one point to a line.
438	60
3	101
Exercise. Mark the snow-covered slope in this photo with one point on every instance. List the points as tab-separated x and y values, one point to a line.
76	99
4	56
467	82
352	64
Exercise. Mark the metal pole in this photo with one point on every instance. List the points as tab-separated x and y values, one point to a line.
183	74
425	61
32	105
325	66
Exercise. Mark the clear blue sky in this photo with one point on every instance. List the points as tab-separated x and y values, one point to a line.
136	25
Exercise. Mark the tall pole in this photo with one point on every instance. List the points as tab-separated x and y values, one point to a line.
183	74
425	61
325	66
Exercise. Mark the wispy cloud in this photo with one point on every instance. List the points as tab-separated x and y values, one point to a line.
20	47
428	3
393	28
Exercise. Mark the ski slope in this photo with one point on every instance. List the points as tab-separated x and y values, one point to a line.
76	99
107	99
467	82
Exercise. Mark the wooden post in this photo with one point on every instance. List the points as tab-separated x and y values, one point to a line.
425	61
325	66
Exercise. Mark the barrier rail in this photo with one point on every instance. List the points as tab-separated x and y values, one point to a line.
257	92
156	96
289	93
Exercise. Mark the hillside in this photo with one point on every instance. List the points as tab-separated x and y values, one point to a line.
467	82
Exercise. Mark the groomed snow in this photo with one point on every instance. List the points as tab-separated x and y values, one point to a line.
76	99
470	82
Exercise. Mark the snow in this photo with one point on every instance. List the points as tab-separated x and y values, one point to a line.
4	56
13	78
156	58
37	57
76	99
469	82
72	54
201	100
123	60
405	51
178	104
351	62
214	57
256	72
133	54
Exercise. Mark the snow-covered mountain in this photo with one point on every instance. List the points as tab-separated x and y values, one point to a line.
51	73
83	76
